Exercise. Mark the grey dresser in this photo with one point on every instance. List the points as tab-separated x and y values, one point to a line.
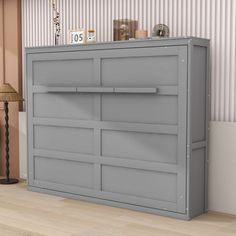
121	123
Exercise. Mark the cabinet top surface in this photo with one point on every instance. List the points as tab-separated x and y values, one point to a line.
173	41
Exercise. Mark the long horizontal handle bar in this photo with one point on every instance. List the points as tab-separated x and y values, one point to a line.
115	90
45	89
95	90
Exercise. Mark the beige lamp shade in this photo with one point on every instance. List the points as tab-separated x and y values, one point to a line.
9	94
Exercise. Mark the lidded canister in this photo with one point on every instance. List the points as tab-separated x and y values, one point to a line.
91	36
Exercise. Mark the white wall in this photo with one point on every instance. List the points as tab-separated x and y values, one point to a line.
222	167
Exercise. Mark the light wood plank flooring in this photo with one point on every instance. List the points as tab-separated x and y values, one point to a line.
24	213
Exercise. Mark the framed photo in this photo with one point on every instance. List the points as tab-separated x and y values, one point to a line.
124	29
76	36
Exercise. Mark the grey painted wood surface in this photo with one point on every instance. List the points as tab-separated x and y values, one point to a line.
122	123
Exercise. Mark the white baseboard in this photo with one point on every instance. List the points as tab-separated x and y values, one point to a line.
222	165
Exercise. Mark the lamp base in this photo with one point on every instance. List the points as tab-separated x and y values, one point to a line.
10	181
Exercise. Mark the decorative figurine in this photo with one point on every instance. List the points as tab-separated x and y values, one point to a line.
160	31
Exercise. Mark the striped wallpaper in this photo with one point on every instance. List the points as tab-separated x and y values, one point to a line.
213	19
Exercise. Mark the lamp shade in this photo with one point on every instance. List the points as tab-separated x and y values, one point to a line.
9	94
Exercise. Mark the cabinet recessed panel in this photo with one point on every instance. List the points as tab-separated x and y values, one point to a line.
199	102
64	105
65	139
141	71
152	109
63	172
63	72
139	183
140	146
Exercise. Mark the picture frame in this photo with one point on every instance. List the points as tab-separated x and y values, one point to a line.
77	36
124	29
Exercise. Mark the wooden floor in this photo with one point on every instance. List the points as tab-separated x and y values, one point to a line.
24	213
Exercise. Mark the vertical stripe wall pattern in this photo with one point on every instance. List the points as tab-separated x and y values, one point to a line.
213	19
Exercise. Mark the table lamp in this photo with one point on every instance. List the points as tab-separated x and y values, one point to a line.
8	94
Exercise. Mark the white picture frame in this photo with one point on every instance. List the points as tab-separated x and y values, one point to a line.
77	36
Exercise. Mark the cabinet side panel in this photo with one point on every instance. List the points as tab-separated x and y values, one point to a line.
198	127
198	93
29	109
197	180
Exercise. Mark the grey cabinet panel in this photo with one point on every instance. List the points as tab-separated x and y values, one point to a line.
152	109
74	106
56	171
140	183
122	123
63	139
66	72
144	67
140	146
